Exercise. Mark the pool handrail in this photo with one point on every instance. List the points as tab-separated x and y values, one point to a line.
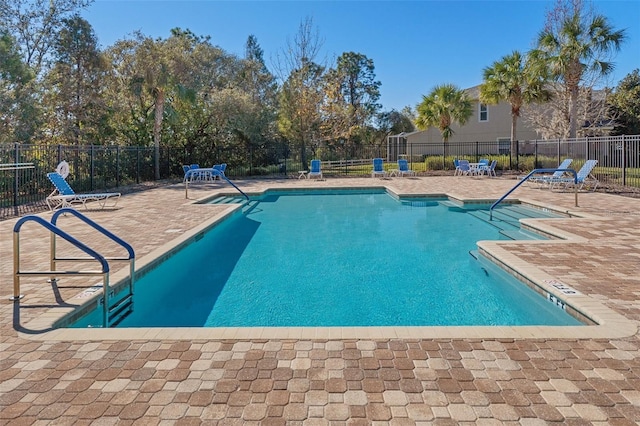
524	179
131	258
17	273
214	172
97	227
94	255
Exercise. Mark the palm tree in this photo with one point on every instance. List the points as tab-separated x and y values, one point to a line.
575	48
444	106
512	79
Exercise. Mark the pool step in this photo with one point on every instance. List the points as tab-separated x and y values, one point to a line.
227	200
500	221
508	223
420	203
452	206
521	234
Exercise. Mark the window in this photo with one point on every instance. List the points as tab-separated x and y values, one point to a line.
483	112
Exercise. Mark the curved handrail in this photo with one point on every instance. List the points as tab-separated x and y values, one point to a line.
234	185
524	179
95	226
51	227
213	172
54	229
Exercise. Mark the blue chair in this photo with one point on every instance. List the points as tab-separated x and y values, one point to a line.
315	170
403	168
543	180
64	196
583	177
456	163
465	168
378	168
489	169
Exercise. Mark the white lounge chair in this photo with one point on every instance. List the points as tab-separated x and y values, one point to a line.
378	168
316	170
543	180
403	168
583	177
65	196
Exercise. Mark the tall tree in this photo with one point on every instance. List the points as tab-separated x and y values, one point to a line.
352	95
34	25
300	99
392	123
575	45
445	105
301	94
512	80
76	108
256	125
625	103
17	114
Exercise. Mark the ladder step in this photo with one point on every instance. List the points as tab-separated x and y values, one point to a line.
120	309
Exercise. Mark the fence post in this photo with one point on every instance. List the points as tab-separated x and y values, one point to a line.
91	165
477	152
59	153
624	162
558	152
535	154
117	166
15	174
137	164
586	148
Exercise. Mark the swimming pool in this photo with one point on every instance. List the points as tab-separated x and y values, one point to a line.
336	258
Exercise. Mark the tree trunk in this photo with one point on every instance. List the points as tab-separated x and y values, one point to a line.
514	140
157	129
573	112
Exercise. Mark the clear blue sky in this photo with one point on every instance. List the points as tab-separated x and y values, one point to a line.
414	45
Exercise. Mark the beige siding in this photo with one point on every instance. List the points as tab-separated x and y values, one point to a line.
497	126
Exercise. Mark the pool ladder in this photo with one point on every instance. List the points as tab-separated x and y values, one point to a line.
112	312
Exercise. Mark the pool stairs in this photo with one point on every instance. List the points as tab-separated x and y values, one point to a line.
506	218
247	205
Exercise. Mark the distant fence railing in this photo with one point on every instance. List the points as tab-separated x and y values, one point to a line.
99	168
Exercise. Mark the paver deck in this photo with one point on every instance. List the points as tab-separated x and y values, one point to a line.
364	378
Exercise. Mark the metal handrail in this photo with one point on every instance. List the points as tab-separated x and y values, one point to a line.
94	255
214	173
17	273
106	233
524	179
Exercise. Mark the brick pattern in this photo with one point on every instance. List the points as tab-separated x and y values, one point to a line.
308	382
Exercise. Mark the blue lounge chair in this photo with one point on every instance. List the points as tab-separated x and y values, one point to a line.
378	168
65	196
403	168
315	170
456	163
584	177
543	180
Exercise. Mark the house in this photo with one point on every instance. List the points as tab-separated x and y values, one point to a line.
489	125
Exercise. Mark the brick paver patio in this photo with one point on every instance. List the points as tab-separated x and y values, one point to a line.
363	379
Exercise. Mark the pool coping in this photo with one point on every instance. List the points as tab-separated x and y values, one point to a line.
609	324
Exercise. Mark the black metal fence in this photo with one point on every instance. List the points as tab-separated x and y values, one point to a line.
99	168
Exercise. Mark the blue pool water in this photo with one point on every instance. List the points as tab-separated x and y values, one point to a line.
336	259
